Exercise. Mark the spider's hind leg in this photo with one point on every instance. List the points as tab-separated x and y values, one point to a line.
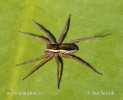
59	62
82	62
89	37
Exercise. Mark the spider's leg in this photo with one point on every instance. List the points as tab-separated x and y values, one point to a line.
39	37
90	37
38	66
59	62
66	28
81	61
33	60
47	32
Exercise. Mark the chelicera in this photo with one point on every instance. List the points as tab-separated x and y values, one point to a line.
57	49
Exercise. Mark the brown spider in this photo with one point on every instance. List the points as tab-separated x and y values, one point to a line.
58	49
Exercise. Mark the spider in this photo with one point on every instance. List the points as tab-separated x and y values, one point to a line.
57	49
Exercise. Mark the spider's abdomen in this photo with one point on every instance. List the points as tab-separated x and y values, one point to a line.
63	48
68	47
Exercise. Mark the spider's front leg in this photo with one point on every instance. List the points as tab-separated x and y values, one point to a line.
39	37
81	61
33	60
46	31
66	29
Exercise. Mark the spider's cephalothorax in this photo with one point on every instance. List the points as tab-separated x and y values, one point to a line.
67	48
58	49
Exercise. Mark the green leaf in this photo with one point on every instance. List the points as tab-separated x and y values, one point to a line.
78	82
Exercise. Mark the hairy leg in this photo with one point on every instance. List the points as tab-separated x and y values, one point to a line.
33	60
59	62
38	66
64	33
90	37
81	61
47	32
44	39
